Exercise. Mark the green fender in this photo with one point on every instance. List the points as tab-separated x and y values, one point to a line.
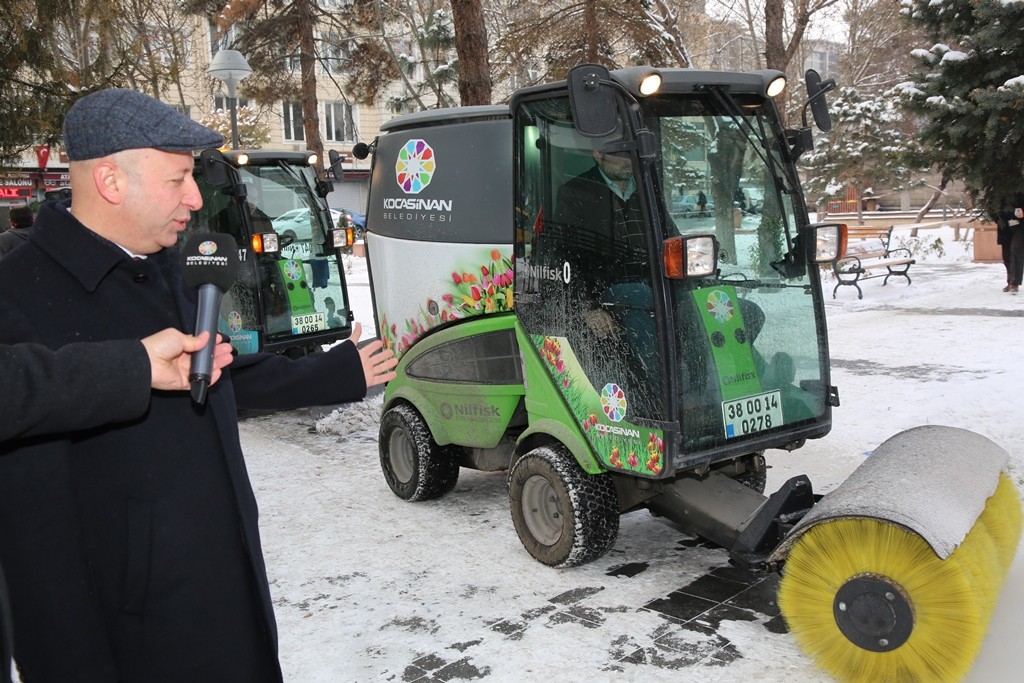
549	414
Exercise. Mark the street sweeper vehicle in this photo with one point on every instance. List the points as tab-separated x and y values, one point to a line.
290	295
557	318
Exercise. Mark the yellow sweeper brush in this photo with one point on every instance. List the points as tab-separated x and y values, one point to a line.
893	576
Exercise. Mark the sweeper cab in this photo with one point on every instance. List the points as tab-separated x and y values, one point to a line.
290	295
562	312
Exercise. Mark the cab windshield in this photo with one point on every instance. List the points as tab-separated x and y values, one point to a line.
282	297
749	341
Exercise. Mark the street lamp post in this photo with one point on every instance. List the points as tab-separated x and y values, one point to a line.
230	66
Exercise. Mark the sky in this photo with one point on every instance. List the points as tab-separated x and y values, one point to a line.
368	587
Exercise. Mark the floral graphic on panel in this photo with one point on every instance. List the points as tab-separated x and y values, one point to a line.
486	288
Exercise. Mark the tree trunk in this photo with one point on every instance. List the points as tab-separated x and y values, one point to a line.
774	41
939	191
471	46
590	27
310	103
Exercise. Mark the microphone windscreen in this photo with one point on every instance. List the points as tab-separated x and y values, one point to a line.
210	258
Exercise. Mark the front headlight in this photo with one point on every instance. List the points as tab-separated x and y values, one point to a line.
694	256
265	243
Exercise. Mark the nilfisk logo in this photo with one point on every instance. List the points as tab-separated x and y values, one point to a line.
537	273
473	412
415	166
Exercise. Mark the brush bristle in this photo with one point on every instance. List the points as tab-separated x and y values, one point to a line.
952	600
1004	518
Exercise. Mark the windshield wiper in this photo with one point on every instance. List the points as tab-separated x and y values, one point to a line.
733	110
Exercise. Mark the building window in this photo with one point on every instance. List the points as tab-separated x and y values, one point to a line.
182	109
221	41
224	102
293	130
334	50
340	122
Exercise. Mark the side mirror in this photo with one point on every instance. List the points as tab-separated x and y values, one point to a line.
214	167
826	242
336	160
816	89
592	101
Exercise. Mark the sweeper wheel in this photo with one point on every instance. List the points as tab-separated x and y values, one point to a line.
414	466
870	601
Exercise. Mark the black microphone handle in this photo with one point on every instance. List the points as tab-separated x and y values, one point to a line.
201	368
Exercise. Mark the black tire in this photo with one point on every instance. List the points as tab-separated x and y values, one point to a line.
564	516
414	466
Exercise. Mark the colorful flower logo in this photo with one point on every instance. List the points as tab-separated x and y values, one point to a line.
208	248
415	166
234	321
613	402
292	270
720	306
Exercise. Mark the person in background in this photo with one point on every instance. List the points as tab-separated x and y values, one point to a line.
1010	236
83	385
21	220
333	319
132	550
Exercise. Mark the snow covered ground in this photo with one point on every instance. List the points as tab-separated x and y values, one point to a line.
370	588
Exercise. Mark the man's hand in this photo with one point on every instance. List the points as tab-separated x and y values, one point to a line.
170	356
600	322
378	362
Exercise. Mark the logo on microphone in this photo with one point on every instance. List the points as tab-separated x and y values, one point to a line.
208	248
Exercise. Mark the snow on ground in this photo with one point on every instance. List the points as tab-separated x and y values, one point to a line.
370	588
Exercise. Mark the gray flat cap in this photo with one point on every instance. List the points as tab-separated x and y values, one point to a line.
110	121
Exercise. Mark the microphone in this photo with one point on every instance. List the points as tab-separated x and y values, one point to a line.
209	262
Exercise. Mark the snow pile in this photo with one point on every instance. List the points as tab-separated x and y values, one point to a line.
353	420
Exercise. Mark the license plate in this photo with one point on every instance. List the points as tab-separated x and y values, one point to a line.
311	322
752	413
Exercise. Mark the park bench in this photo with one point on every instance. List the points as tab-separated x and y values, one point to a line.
868	255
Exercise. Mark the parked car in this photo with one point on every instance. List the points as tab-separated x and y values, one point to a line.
755	199
358	219
687	204
295	223
354	219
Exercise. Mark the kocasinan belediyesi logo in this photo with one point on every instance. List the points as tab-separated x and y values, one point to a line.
415	166
414	169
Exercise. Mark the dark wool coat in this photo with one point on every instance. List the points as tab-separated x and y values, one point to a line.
132	550
100	382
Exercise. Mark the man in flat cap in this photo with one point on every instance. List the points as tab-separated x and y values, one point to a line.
131	550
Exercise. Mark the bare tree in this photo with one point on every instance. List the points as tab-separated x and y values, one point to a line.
55	51
471	44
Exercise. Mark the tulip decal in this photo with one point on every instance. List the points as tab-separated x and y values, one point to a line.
485	288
